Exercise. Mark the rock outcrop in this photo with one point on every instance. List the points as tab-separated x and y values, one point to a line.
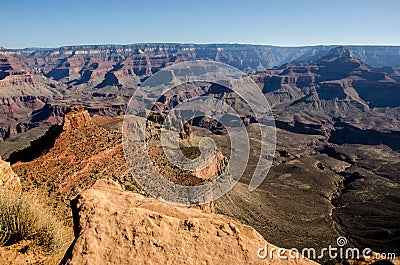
113	226
8	179
76	117
214	167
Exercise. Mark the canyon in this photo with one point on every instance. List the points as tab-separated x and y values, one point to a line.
336	109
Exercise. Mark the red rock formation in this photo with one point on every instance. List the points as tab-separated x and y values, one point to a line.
76	117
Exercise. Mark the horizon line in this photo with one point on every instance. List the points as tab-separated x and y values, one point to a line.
197	43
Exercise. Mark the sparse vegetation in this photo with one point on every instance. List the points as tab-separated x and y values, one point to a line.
129	187
24	218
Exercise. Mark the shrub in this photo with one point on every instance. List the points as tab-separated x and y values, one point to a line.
23	218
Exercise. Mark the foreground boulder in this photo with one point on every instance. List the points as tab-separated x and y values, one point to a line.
113	226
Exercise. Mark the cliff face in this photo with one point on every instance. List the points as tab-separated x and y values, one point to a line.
20	114
18	79
113	226
24	98
10	66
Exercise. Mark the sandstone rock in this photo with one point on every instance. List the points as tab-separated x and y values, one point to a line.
8	179
76	117
113	226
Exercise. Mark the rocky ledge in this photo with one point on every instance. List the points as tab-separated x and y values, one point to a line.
113	226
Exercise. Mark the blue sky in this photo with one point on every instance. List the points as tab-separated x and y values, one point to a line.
55	23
